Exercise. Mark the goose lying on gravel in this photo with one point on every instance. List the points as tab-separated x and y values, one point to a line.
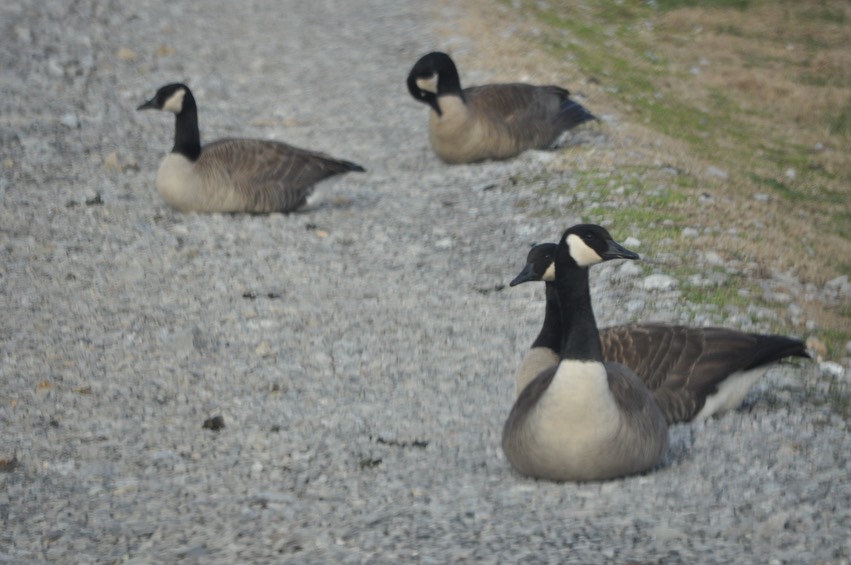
693	372
584	419
494	121
234	175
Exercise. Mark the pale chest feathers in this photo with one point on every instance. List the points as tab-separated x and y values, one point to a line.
579	400
191	186
537	360
462	136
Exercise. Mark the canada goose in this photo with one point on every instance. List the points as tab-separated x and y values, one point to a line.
584	419
233	175
494	121
694	372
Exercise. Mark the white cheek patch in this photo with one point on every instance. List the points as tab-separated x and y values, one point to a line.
175	101
428	84
581	253
550	274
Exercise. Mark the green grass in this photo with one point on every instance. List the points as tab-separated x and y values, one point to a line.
666	5
840	123
604	39
641	55
727	294
842	221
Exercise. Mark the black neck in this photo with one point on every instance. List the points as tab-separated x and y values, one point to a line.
550	335
580	337
187	138
430	98
448	82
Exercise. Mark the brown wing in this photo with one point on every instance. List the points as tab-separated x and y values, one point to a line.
642	420
270	176
535	115
684	365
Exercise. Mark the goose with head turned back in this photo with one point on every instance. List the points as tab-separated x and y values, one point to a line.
693	372
493	121
234	175
584	419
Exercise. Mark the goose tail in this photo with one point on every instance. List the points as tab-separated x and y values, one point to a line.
573	113
772	348
353	167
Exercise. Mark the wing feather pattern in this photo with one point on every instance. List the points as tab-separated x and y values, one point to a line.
267	176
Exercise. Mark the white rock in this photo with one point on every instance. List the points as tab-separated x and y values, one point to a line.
264	349
713	258
778	297
716	172
540	156
659	282
634	307
629	270
831	369
631	242
23	34
70	120
445	243
690	232
838	286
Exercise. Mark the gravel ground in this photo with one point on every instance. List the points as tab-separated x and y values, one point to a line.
360	352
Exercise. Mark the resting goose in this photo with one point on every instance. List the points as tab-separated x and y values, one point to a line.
584	419
233	175
494	121
693	372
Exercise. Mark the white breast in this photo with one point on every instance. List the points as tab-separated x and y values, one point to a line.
577	412
183	187
536	361
576	429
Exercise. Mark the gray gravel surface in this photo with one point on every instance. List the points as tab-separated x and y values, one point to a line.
360	352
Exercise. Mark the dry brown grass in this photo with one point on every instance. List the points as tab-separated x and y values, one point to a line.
762	93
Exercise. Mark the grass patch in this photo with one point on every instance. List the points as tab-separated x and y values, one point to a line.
842	221
840	122
755	91
726	295
778	187
667	5
646	58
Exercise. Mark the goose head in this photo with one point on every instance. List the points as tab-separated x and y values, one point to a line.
433	75
540	265
171	98
584	245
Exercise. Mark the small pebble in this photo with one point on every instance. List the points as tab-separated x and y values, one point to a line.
834	370
70	120
716	172
215	423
